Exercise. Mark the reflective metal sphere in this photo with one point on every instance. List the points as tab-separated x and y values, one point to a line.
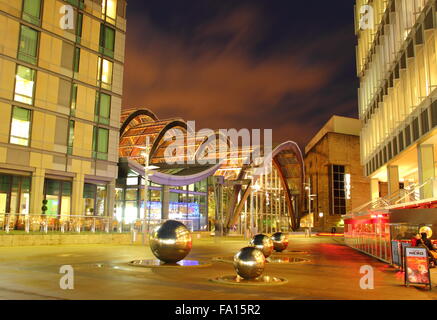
249	263
280	241
171	241
263	243
427	230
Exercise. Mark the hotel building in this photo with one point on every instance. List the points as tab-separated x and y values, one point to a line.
61	75
397	68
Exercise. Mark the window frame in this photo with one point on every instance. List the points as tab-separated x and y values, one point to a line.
103	49
76	59
33	88
38	38
95	145
70	138
32	19
100	82
98	109
333	190
30	127
104	12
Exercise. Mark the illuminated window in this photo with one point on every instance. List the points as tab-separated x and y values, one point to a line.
58	196
20	126
24	83
109	10
100	143
107	40
103	108
104	72
71	125
28	45
73	99
32	11
132	181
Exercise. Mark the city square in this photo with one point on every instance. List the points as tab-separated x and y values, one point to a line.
102	272
213	150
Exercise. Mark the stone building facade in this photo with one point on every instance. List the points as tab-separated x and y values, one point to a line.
334	175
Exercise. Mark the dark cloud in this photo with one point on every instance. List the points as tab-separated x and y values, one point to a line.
217	73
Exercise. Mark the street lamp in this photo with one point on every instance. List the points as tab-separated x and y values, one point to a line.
310	198
254	189
147	168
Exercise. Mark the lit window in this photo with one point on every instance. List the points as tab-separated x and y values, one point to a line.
28	46
109	10
73	99
103	108
24	83
70	136
132	181
105	72
20	126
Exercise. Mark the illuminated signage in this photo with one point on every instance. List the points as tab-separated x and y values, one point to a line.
416	267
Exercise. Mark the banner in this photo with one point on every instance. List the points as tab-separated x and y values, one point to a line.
416	267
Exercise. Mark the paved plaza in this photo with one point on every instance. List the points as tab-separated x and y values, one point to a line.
102	272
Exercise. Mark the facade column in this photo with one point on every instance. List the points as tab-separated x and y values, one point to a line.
393	179
77	203
165	202
110	199
37	193
425	155
374	189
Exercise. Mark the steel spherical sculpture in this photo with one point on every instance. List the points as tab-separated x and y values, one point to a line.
249	263
280	241
263	243
170	242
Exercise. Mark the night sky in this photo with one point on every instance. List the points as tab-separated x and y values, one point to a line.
243	64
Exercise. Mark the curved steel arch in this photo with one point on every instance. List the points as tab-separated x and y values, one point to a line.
235	209
218	135
173	124
135	114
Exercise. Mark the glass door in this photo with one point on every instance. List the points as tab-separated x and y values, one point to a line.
58	196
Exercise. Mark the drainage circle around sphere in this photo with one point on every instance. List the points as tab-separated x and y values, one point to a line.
260	281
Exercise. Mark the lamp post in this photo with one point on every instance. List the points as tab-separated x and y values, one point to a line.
254	189
310	198
147	167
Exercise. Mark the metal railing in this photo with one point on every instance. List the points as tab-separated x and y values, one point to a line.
31	223
411	194
426	190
